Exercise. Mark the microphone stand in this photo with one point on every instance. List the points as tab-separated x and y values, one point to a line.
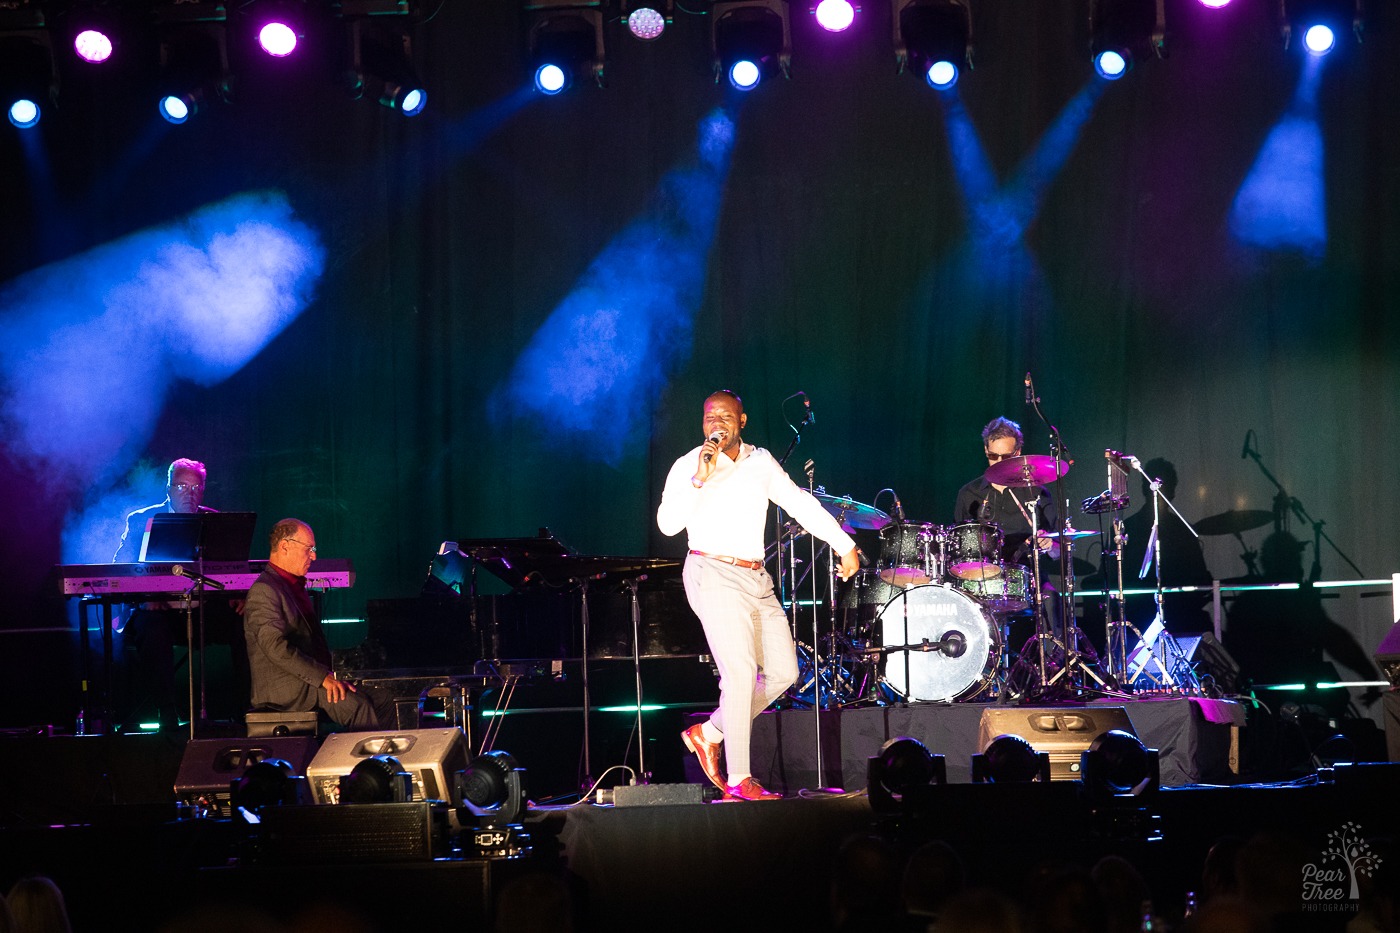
643	776
787	588
1158	497
1073	664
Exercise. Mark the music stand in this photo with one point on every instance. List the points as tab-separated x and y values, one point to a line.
197	537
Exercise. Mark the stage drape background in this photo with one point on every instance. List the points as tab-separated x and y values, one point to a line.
847	262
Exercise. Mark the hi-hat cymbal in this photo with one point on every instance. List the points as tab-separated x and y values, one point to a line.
1228	523
1072	533
1029	470
853	515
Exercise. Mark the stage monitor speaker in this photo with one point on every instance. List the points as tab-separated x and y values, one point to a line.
432	756
1062	732
363	832
209	766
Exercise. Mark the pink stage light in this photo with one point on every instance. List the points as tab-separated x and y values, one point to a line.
835	15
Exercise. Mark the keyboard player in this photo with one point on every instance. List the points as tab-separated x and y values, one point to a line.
151	630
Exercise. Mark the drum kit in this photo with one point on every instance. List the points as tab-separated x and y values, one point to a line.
930	620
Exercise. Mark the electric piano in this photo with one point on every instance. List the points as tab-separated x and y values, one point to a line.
132	582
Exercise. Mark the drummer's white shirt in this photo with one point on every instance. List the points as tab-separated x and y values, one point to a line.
728	514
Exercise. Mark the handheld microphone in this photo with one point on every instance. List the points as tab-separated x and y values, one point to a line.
1029	397
180	570
715	438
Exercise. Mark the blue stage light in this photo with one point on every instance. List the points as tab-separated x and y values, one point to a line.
942	75
566	47
174	109
551	79
24	113
750	41
1111	65
1319	39
414	101
933	34
744	75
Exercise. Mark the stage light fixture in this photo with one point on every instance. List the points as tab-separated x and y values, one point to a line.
1122	32
750	41
28	77
194	69
835	15
381	61
492	788
27	80
1321	22
1010	759
565	42
279	25
903	765
272	782
1117	764
93	45
378	779
932	38
647	19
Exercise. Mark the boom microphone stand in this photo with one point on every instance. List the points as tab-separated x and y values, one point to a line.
1154	551
786	585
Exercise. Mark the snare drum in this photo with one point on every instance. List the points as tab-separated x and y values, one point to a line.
909	554
938	644
974	551
1009	592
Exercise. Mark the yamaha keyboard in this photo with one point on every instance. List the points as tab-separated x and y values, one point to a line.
158	577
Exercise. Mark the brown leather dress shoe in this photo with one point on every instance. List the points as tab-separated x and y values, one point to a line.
707	752
749	789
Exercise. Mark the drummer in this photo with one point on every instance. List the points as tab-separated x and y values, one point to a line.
1009	507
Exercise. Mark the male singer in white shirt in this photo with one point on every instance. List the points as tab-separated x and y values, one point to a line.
718	494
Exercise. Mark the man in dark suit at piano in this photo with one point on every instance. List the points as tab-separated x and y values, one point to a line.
287	649
153	629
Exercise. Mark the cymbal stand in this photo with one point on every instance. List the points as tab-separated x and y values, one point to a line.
1118	629
1074	659
1044	638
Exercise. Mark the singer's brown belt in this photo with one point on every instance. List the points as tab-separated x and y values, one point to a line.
736	561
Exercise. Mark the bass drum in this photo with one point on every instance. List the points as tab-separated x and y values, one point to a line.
938	644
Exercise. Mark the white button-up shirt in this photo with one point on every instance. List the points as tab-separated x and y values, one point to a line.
728	514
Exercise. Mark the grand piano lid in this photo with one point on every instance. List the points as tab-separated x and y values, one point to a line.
543	559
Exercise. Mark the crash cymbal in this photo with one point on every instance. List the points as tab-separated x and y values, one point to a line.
1029	470
1237	520
1070	534
853	515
